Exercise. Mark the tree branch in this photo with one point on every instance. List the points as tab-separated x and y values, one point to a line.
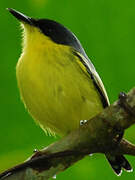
100	134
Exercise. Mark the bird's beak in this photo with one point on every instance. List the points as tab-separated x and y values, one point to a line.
21	17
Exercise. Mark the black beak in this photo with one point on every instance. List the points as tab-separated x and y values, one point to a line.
21	17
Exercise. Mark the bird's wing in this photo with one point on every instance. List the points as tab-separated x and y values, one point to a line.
90	69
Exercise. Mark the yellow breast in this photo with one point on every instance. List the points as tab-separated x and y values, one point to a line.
54	89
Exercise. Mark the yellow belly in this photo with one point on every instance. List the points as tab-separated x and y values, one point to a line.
56	92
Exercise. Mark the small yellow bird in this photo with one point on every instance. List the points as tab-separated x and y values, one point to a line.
58	83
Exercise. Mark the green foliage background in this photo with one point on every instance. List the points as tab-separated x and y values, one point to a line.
106	30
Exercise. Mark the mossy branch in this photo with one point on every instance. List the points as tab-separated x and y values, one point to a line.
100	134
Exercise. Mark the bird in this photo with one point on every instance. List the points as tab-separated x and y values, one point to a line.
58	83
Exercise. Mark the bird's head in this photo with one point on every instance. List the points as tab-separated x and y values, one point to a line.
45	31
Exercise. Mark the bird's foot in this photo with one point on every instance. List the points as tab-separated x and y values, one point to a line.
82	122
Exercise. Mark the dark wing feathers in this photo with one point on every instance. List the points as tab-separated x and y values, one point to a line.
95	77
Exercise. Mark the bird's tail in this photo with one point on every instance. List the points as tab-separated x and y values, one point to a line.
118	162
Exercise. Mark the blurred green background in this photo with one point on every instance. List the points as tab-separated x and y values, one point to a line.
106	30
